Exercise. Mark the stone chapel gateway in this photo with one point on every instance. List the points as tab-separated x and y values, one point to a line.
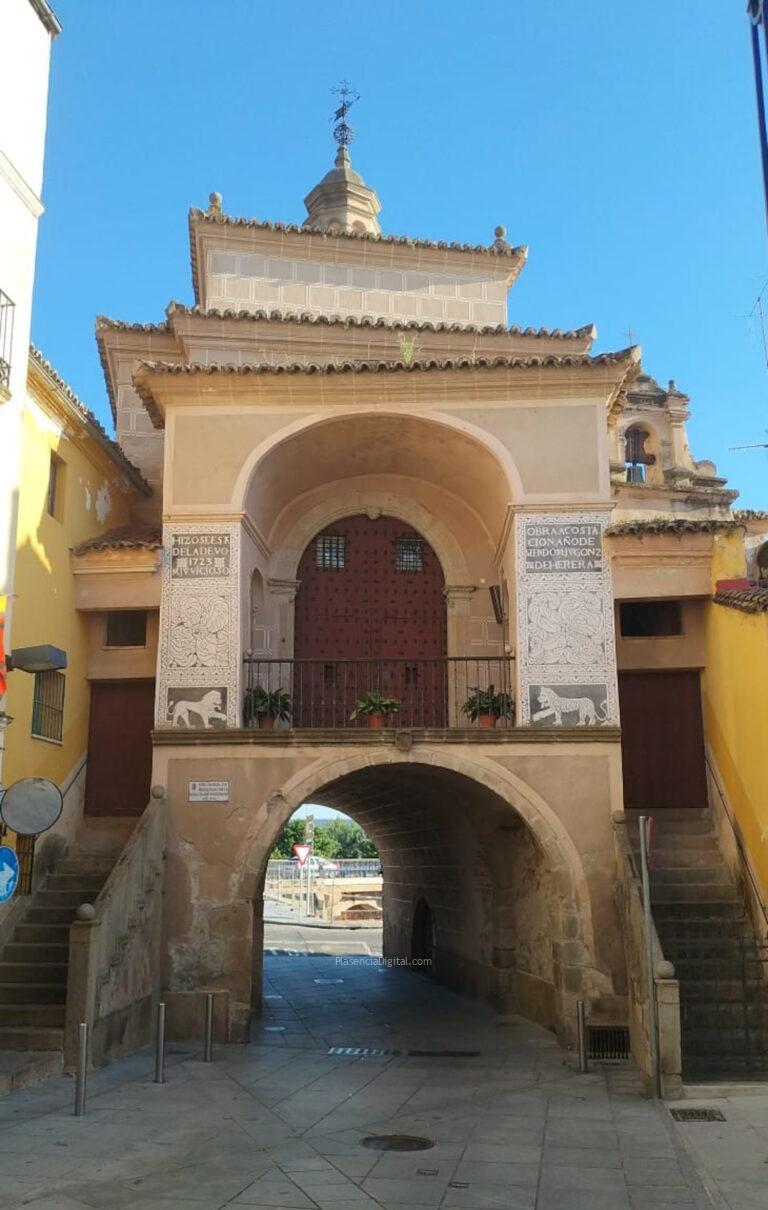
367	487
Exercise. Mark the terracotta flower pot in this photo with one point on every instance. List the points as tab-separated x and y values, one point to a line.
266	723
486	720
375	722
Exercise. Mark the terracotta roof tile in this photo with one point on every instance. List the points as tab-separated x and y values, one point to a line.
124	537
748	600
672	525
588	331
112	448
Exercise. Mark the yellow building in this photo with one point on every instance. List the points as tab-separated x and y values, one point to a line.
75	484
735	687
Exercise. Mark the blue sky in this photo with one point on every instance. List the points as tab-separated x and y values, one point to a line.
618	141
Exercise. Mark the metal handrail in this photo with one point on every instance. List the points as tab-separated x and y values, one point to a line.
736	830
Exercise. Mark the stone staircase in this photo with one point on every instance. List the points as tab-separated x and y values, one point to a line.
34	962
703	929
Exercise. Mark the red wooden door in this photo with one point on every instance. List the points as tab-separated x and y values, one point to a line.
662	740
371	611
117	777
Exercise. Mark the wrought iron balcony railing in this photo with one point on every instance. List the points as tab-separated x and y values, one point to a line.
7	311
334	694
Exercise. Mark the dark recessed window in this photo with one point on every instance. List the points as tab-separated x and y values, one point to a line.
126	628
330	550
48	705
648	619
409	554
54	494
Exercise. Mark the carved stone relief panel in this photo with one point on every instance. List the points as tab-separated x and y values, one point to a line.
199	649
565	633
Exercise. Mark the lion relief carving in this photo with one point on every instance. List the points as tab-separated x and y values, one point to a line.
208	709
552	704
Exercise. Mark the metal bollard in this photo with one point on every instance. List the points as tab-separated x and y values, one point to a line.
160	1045
208	1053
581	1026
82	1069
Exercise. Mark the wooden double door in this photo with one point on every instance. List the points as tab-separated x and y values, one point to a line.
662	740
370	616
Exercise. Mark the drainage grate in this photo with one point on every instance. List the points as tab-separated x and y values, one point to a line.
328	980
444	1054
697	1115
361	1051
608	1043
397	1142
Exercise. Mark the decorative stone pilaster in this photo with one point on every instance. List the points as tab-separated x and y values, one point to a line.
199	665
566	655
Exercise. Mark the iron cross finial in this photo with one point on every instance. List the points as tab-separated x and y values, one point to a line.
342	131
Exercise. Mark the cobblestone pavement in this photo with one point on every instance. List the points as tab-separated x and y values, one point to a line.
280	1123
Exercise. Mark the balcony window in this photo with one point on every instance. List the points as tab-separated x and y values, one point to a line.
48	705
7	312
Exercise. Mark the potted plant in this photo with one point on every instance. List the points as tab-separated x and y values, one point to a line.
376	708
266	706
485	706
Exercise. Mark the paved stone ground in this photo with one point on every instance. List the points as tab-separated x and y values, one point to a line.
280	1123
732	1156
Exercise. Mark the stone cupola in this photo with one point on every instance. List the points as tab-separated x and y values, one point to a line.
342	201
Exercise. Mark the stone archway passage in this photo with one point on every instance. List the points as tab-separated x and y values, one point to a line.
370	616
496	885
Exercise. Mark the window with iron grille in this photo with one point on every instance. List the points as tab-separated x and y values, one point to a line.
409	554
330	550
48	705
126	628
7	311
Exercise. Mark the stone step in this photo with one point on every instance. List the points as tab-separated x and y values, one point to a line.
703	875
693	893
737	1043
33	993
33	1015
31	1037
685	859
73	882
33	934
50	915
670	814
33	972
679	844
43	951
727	1016
96	866
70	898
668	915
720	990
21	1066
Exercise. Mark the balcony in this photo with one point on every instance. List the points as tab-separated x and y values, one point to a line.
438	694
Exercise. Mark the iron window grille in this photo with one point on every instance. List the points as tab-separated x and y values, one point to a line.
48	705
330	551
7	312
409	554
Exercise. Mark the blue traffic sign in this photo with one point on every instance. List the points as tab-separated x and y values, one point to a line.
9	872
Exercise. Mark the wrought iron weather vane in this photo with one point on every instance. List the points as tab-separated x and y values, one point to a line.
342	131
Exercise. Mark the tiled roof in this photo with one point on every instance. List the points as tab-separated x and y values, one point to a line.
124	537
624	356
225	220
628	358
748	600
750	514
516	255
588	331
98	430
672	525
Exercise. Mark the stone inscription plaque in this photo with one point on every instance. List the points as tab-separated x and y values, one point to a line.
563	547
200	556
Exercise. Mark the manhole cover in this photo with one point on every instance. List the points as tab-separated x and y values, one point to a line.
397	1142
361	1052
697	1115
